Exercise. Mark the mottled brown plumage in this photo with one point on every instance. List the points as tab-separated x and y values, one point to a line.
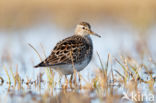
76	50
72	49
85	24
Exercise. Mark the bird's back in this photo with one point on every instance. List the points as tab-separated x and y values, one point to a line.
74	49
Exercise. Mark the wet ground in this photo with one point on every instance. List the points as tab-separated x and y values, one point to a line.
15	53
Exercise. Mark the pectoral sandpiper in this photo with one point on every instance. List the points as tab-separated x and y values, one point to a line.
73	52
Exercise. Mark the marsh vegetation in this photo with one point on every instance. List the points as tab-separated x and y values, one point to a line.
123	68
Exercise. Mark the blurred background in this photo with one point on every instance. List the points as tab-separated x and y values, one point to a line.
21	14
127	27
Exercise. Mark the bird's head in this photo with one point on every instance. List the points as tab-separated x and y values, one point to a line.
84	29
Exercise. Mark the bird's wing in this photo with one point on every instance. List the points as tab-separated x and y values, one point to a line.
70	50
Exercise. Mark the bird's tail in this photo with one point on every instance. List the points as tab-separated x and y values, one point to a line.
42	64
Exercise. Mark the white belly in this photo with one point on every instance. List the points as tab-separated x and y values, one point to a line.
68	68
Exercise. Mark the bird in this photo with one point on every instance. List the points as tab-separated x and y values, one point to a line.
74	52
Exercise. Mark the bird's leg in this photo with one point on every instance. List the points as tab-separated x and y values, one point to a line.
71	78
79	78
66	82
60	79
75	77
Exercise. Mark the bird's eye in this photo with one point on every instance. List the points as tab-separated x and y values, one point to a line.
83	27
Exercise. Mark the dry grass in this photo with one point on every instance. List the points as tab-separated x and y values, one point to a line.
104	86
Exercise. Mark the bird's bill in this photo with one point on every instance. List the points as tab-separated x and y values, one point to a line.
93	33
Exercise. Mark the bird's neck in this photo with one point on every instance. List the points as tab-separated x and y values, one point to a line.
88	39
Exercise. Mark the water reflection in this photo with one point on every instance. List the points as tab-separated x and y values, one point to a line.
16	54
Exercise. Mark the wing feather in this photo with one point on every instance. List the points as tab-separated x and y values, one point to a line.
71	49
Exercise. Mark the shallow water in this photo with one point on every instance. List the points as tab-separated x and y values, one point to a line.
14	50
